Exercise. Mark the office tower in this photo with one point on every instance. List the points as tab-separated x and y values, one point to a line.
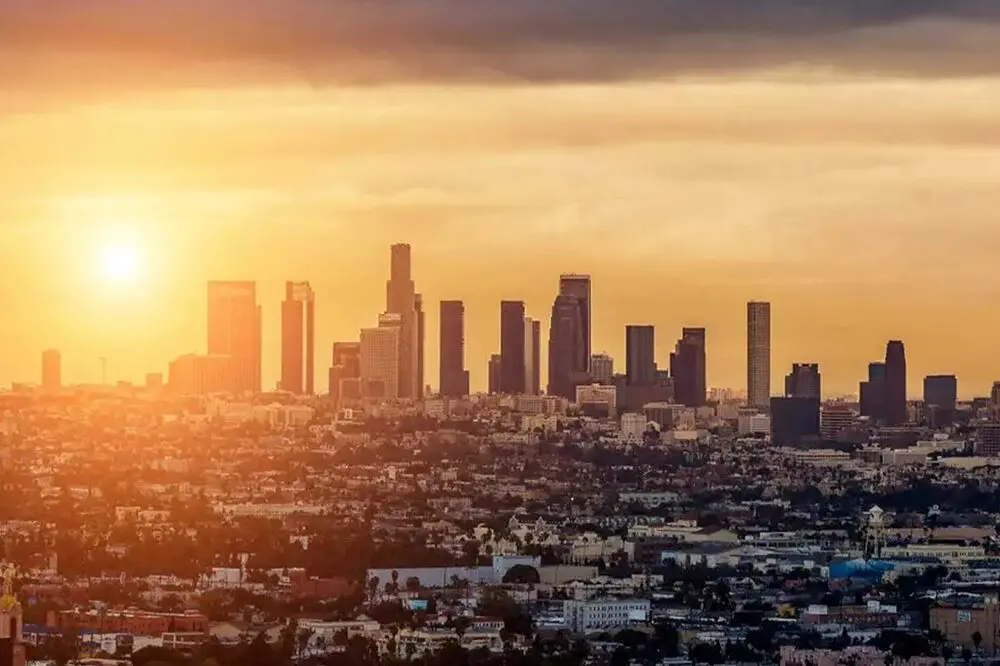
199	375
835	419
566	368
418	305
640	355
536	358
578	286
51	371
940	399
454	378
803	381
895	383
794	421
345	372
602	368
380	358
758	353
687	366
530	362
872	392
234	330
298	338
401	299
496	372
512	347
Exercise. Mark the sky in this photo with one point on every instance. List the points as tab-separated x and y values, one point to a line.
836	157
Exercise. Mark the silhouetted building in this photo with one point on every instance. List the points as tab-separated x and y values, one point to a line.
418	305
380	357
566	367
345	372
234	330
687	366
495	372
602	368
531	363
803	381
872	392
835	419
51	371
640	355
940	399
579	287
794	421
454	378
895	384
535	388
512	347
758	353
401	299
298	338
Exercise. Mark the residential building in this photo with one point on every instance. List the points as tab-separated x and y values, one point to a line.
597	615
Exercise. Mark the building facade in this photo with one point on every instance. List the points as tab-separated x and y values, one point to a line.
758	353
567	368
688	368
345	372
602	368
640	355
380	358
804	381
512	354
234	330
454	378
298	339
895	384
401	300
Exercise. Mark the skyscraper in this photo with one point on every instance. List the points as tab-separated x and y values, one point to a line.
804	381
940	399
234	330
758	353
512	352
418	305
298	338
536	358
530	362
602	368
640	355
401	299
579	287
688	368
872	392
454	378
566	368
495	370
345	372
51	371
380	358
895	383
794	420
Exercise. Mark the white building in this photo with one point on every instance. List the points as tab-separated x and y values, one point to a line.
380	357
752	422
604	614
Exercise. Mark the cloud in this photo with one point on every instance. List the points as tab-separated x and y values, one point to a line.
124	42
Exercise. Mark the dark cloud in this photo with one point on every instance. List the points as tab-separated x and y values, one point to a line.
376	41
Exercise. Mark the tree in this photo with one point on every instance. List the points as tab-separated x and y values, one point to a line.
522	574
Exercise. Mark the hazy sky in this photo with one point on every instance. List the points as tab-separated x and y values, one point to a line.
840	160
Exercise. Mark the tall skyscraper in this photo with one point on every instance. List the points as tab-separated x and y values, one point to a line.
530	362
688	368
234	330
804	381
512	353
602	368
895	383
380	358
401	299
298	338
536	358
418	305
579	287
454	378
640	355
566	367
495	372
345	372
51	371
940	399
872	392
758	353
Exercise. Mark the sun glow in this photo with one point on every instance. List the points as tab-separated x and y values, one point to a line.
120	264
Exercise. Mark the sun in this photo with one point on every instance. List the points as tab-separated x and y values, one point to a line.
120	263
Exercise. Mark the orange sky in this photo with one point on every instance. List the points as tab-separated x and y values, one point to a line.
862	206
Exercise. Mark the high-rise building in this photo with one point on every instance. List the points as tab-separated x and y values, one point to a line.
298	338
872	392
418	305
940	399
401	299
535	388
234	330
895	383
454	378
834	419
687	366
640	355
202	374
495	372
566	367
988	439
380	358
512	353
602	368
804	381
51	371
530	362
345	372
794	420
758	353
579	287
